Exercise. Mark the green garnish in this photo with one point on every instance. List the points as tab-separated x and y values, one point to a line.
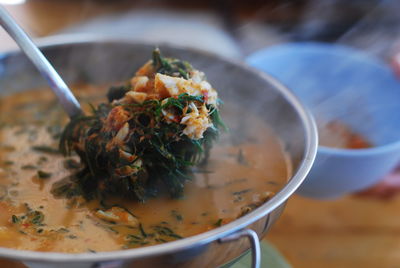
242	192
142	232
28	166
37	217
15	219
45	149
169	66
176	215
218	223
33	217
157	234
43	174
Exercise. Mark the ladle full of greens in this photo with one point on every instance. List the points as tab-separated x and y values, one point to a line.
157	126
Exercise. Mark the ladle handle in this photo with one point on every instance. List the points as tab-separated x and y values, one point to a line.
254	244
63	93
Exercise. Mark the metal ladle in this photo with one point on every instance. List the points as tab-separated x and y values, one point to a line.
63	93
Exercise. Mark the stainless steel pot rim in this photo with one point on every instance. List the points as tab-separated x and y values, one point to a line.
203	238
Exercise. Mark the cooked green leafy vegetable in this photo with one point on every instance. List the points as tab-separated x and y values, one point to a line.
149	135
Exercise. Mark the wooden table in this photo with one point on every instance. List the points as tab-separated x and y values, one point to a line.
349	232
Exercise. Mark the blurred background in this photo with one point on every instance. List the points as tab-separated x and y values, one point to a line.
353	231
232	28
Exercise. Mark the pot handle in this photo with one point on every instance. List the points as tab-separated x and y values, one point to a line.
254	244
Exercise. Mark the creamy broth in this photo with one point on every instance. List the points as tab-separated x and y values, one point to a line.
240	175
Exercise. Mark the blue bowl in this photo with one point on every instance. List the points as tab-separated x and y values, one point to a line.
343	84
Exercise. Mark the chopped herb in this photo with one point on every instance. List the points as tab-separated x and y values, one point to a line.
218	223
91	250
163	230
15	219
31	218
216	118
133	236
37	217
45	149
159	234
42	159
143	233
171	67
43	174
173	235
242	192
66	188
28	166
176	215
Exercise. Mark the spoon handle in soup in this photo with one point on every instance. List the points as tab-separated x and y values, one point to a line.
63	93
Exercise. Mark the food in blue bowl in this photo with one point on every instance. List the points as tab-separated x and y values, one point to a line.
355	99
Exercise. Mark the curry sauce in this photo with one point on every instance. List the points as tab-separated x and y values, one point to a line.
238	177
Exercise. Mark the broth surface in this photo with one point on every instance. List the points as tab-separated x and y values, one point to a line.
245	168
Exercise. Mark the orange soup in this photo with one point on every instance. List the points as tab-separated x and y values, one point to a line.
241	174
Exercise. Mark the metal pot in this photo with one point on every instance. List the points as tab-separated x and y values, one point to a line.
99	60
